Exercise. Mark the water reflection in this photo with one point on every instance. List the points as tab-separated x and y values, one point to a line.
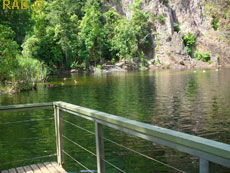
195	103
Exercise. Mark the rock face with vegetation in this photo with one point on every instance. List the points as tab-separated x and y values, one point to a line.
127	34
170	20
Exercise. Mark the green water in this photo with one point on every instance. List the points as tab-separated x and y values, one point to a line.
194	103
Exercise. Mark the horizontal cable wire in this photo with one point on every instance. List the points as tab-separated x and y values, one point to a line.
93	153
26	121
36	138
143	155
79	127
77	161
79	146
35	158
31	141
113	166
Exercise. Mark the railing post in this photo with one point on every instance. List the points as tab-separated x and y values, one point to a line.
100	148
58	116
206	166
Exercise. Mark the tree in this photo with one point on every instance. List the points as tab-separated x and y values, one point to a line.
111	21
63	16
132	37
17	20
141	29
124	40
92	32
8	52
41	43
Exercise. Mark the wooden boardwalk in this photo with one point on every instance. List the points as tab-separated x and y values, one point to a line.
47	167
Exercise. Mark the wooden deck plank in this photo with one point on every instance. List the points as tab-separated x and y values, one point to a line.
28	169
58	167
5	171
42	167
20	170
35	168
47	167
50	167
12	170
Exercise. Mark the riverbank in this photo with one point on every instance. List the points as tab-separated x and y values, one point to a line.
7	90
149	65
10	88
121	67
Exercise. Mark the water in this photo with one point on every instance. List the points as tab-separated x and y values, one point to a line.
194	103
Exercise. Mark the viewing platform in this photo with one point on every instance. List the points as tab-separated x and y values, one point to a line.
46	167
208	151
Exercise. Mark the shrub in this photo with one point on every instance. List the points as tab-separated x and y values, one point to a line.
215	22
176	27
165	2
113	60
29	72
161	19
202	56
8	52
156	63
142	59
99	67
189	40
206	57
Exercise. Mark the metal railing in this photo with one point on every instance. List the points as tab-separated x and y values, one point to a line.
210	152
30	140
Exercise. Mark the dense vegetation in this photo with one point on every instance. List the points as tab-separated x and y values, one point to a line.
190	41
67	34
70	34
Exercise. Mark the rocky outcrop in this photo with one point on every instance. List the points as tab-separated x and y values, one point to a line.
192	16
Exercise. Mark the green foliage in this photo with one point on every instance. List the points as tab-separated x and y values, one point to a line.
142	59
44	49
8	52
202	56
111	21
64	20
23	72
86	62
99	67
17	20
124	40
156	63
206	57
67	33
161	19
215	22
42	42
189	40
92	31
165	2
29	72
137	5
132	37
113	60
189	50
176	27
224	15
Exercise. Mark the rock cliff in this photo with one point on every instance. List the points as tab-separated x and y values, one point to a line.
209	20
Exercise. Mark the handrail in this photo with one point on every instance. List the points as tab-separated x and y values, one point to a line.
198	143
208	151
23	107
